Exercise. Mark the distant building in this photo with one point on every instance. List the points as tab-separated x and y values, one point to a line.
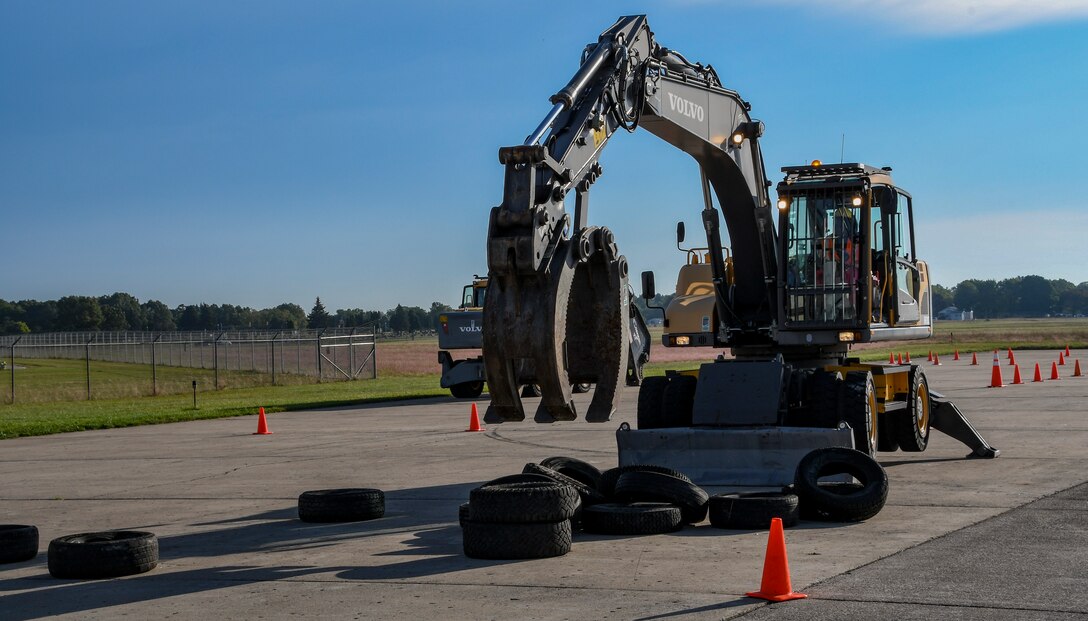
952	313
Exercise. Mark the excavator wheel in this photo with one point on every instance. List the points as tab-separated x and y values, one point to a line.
467	390
910	427
651	397
859	410
678	401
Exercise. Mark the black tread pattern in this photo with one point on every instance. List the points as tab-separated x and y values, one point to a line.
678	401
588	495
576	469
649	413
467	390
607	483
753	510
463	514
825	399
107	554
518	478
644	518
341	505
855	408
840	488
842	503
902	425
644	486
523	502
18	542
515	541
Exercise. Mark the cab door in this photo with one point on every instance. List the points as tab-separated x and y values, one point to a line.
907	277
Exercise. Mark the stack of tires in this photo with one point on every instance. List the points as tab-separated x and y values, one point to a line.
645	500
519	519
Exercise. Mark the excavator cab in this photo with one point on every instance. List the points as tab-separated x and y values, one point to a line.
473	295
849	270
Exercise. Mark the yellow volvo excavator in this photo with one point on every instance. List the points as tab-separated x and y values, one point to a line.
831	262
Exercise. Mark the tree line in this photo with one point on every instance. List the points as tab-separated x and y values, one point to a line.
1022	296
122	311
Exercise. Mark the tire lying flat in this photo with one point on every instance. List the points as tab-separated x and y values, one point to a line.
18	542
485	540
645	486
753	510
107	554
588	495
341	505
607	483
843	503
523	502
581	471
644	518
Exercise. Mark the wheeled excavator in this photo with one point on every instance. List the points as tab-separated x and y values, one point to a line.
788	302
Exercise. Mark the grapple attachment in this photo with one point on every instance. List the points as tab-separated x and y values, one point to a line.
566	323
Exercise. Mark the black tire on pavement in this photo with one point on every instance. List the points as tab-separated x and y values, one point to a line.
640	518
752	510
643	486
467	390
576	469
18	542
107	554
463	514
650	410
521	477
840	488
341	505
842	504
588	495
530	390
859	409
607	483
910	427
580	388
678	401
523	503
515	541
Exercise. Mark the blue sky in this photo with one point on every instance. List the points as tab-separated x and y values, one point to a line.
256	153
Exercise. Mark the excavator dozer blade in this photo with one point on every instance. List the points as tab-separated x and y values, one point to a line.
564	324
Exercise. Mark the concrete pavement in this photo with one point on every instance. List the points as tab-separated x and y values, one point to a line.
222	502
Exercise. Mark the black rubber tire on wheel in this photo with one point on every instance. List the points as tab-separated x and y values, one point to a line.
463	513
752	510
467	390
576	469
588	495
341	505
640	518
580	388
650	411
515	541
18	543
910	427
839	488
607	483
642	486
678	401
859	410
842	504
824	399
518	478
107	554
530	390
523	503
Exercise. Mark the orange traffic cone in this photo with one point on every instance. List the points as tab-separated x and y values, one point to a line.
974	359
1076	369
262	424
900	359
1012	358
1066	351
776	569
891	358
1038	374
956	355
1061	359
474	420
1016	375
930	359
936	360
907	359
995	376
1009	355
1054	371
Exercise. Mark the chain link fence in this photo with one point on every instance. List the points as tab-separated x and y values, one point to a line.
65	366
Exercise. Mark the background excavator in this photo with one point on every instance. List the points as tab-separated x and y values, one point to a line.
788	302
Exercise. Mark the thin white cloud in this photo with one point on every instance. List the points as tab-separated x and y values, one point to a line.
956	16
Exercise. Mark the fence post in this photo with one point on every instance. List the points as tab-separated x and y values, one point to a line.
215	358
16	342
374	339
319	335
154	375
87	359
273	356
351	354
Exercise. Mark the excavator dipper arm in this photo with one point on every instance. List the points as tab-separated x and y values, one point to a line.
558	308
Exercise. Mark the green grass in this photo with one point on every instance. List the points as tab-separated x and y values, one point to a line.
45	418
